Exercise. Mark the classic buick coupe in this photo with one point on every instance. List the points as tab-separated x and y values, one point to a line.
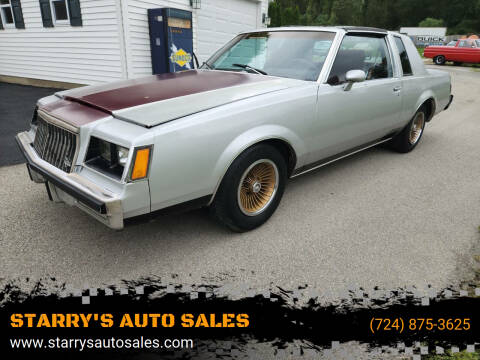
268	106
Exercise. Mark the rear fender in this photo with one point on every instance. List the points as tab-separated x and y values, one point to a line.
424	97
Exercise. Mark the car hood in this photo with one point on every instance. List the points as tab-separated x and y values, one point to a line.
157	99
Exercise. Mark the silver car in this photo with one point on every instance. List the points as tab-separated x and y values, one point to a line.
270	105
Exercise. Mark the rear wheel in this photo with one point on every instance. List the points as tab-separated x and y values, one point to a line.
251	189
439	60
410	136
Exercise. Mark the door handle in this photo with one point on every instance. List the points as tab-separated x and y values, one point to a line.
397	88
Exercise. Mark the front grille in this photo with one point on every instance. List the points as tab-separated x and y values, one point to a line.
55	145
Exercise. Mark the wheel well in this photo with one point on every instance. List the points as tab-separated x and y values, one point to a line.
429	108
286	150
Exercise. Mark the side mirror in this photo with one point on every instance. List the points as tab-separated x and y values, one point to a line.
354	76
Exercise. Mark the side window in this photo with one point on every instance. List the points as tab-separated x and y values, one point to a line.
406	67
359	52
463	43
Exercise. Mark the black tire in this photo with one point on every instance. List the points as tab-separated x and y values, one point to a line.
404	141
226	207
439	60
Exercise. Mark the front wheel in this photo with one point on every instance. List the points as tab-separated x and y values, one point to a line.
410	136
439	60
251	189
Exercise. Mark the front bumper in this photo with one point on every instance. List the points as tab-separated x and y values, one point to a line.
71	188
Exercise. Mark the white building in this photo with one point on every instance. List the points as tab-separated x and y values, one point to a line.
425	36
96	41
424	31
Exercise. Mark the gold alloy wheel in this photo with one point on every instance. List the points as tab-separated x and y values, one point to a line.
416	128
257	187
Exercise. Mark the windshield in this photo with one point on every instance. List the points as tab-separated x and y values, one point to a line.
292	54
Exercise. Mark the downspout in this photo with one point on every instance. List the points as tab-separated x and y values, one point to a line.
122	34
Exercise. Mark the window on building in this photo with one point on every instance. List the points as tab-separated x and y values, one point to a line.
6	13
406	67
60	11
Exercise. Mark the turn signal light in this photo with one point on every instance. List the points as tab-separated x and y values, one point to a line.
140	167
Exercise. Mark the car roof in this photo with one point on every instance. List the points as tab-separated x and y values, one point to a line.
363	29
323	28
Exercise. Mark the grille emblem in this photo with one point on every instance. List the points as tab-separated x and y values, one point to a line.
66	162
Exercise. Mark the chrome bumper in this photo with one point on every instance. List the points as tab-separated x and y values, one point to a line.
71	188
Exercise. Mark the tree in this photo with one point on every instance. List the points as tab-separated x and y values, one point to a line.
313	11
291	16
459	16
431	22
274	12
346	12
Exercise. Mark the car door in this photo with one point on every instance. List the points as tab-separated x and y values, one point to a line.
474	51
370	110
466	52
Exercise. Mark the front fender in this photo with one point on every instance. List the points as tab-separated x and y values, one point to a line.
254	136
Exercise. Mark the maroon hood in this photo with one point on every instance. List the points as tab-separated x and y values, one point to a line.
123	99
128	93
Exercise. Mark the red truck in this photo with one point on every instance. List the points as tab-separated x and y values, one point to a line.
464	51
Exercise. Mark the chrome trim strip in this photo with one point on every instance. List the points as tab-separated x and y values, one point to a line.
55	121
339	158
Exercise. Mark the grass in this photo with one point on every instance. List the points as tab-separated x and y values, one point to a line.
420	51
463	355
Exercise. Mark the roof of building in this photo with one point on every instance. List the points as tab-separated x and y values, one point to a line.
433	31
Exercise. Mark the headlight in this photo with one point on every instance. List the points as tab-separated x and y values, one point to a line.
107	157
122	155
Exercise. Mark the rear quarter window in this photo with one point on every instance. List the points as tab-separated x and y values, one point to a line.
402	52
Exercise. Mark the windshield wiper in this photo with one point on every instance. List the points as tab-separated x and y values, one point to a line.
248	67
207	65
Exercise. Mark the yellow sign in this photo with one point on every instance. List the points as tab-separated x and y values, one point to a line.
179	23
181	57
